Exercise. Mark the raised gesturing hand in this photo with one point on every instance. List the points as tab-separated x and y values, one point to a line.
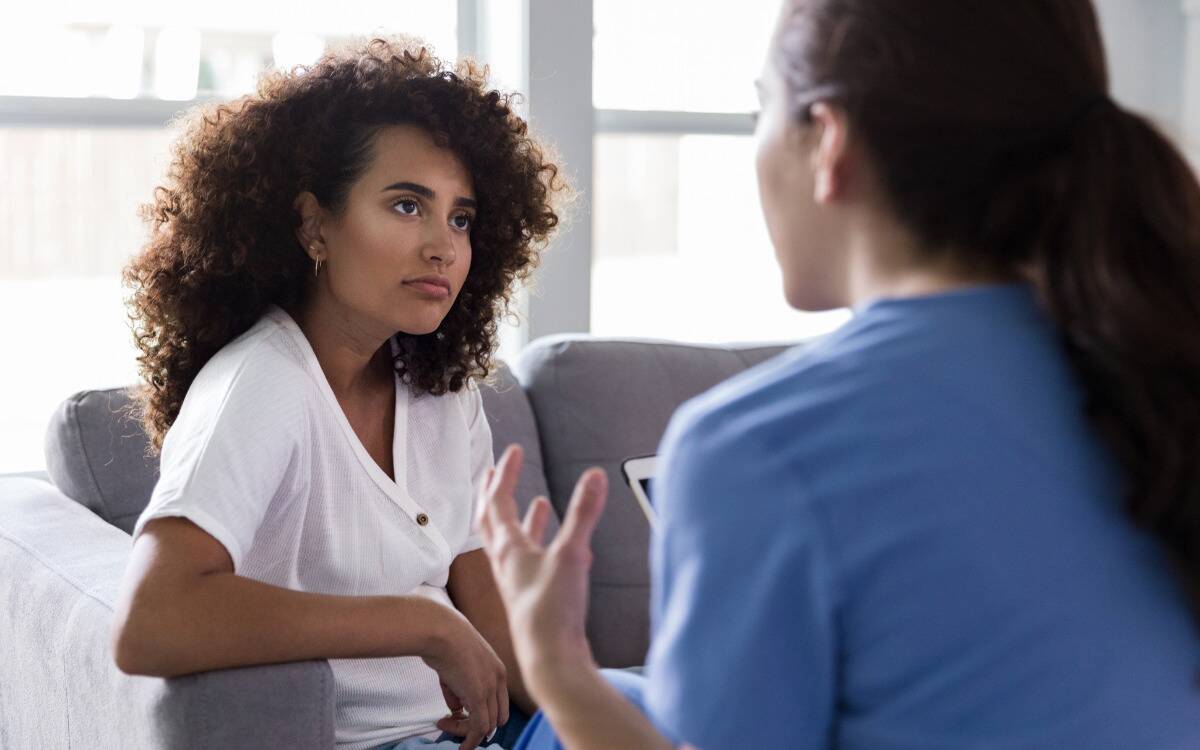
544	586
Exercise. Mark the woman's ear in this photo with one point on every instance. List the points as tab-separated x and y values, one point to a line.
829	157
308	234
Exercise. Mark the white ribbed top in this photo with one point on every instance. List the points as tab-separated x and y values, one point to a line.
263	458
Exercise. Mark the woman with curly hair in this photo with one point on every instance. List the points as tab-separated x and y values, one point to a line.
317	298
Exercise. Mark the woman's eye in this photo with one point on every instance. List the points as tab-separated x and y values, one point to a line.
406	206
461	221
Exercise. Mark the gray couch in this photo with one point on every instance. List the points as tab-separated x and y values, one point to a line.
572	402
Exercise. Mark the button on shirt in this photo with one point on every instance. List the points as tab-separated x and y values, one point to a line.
263	458
907	537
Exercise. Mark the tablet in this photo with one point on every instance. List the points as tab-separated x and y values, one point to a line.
638	473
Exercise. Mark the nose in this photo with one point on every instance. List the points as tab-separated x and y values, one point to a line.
439	246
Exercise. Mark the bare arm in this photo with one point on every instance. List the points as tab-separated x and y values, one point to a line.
473	590
183	610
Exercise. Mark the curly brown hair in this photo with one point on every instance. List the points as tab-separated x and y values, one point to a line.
222	244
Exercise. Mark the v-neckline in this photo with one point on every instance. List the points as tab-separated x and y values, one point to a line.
394	488
397	490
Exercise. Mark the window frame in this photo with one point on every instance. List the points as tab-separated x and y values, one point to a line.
556	77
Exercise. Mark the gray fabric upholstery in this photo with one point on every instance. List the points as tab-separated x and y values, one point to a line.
96	455
61	568
599	402
30	474
511	419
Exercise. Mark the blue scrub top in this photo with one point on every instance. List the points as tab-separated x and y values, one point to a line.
907	536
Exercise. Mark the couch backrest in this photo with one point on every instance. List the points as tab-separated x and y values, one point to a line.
580	401
598	402
97	455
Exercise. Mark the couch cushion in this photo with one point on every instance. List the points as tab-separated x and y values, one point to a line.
96	454
511	418
598	402
60	576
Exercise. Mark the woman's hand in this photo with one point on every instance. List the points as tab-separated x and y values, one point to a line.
474	680
545	588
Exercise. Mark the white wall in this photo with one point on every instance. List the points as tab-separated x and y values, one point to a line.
1146	42
1191	82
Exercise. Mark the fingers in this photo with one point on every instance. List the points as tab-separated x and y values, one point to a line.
500	523
536	518
457	725
493	711
502	717
460	724
587	503
503	486
471	741
477	725
497	503
472	727
453	702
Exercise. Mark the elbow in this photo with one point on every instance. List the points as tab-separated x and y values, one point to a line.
128	654
136	652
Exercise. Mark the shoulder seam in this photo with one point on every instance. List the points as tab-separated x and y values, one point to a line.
241	369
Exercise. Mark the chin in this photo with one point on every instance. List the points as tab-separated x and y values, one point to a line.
420	330
418	325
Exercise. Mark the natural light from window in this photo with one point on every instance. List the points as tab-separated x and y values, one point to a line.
69	194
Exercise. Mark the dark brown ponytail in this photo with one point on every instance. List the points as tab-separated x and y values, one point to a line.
992	129
1118	264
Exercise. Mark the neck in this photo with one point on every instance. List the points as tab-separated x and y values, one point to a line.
886	261
352	352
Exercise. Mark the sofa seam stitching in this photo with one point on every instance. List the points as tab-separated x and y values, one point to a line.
67	680
322	696
64	576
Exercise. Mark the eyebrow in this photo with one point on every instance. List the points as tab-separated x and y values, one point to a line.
425	192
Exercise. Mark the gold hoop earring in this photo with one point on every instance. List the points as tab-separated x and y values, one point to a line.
316	263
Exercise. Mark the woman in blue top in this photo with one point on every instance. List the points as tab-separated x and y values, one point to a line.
969	518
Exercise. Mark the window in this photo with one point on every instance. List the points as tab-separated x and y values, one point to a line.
125	50
680	250
680	55
663	248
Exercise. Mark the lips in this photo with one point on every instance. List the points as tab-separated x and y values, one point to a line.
431	285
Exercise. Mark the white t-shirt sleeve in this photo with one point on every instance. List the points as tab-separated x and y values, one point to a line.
482	458
232	450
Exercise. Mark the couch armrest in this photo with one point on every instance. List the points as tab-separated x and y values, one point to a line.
60	570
